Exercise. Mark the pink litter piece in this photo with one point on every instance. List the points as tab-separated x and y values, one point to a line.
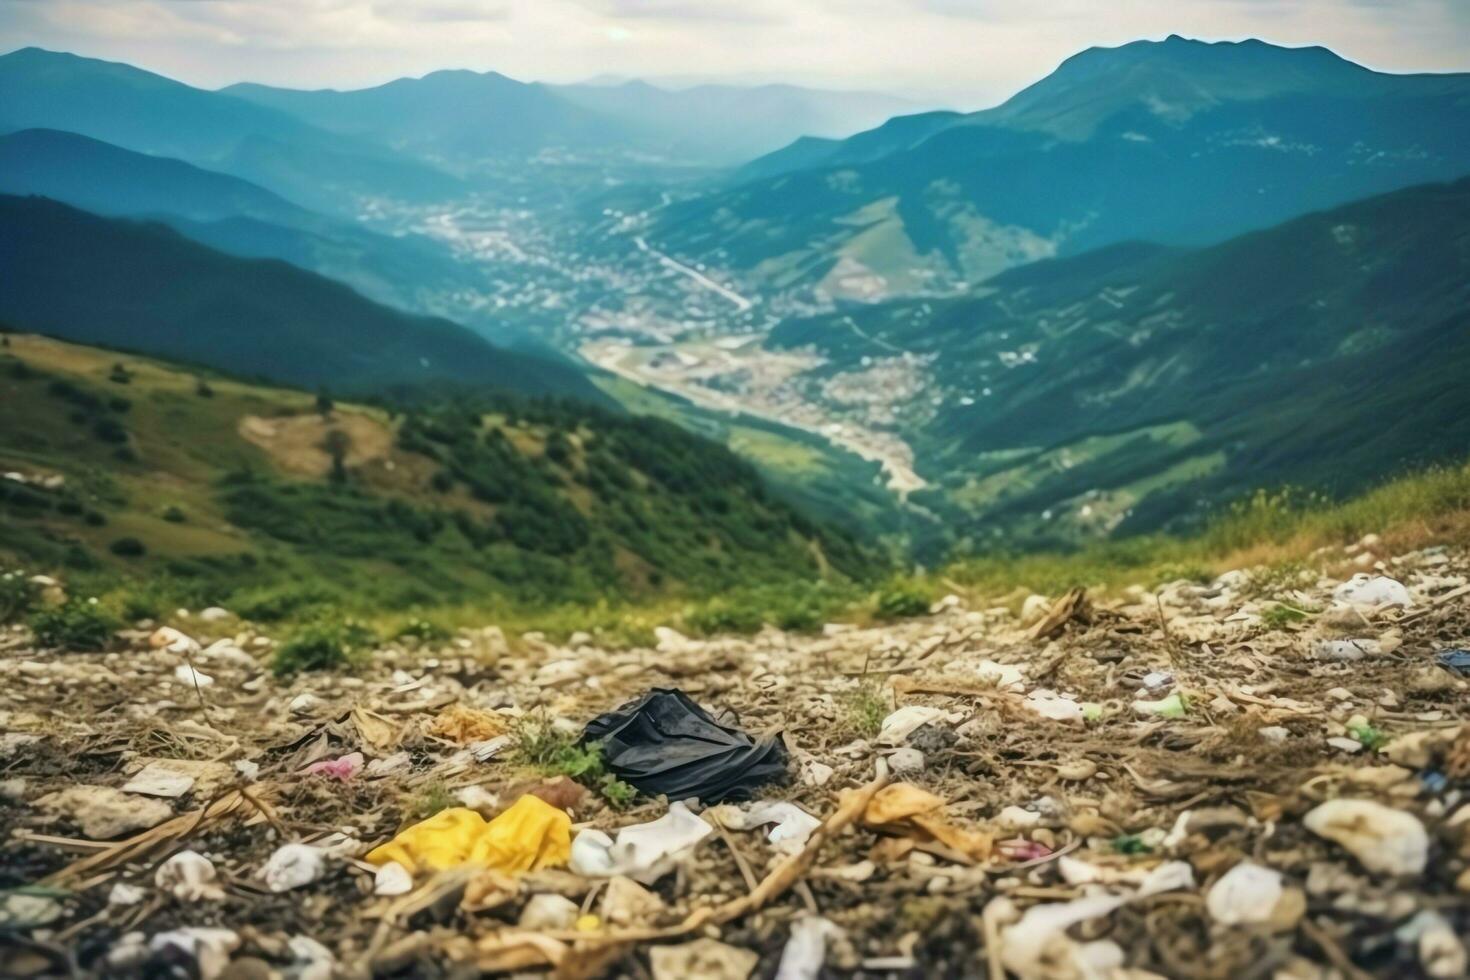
341	769
1021	850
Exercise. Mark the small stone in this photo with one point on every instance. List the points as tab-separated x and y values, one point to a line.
103	812
303	704
1274	733
545	912
190	877
125	894
707	959
205	949
20	911
906	760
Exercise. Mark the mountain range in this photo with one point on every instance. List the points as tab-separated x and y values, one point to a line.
1179	142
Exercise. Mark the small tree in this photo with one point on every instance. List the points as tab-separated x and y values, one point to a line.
338	444
324	404
202	389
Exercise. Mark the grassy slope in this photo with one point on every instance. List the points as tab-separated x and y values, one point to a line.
680	519
144	287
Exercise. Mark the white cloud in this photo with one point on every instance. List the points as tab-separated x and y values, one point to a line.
966	52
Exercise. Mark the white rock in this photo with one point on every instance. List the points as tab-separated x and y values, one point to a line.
906	760
304	703
249	771
544	912
189	877
558	673
1372	591
1384	840
1034	608
185	674
1245	894
103	812
814	773
291	866
706	959
1018	818
1038	947
312	960
1274	733
670	640
174	641
392	879
215	614
1005	677
1441	953
207	947
125	894
1344	650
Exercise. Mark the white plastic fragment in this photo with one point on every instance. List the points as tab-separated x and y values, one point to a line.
1345	650
1372	591
1050	704
1038	947
644	852
190	877
312	960
1440	951
1244	895
291	866
392	879
549	912
207	948
806	948
1383	839
488	749
793	825
906	720
157	779
125	894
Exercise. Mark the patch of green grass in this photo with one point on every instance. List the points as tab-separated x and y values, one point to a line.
551	752
325	643
1280	616
435	796
901	599
77	624
17	594
863	710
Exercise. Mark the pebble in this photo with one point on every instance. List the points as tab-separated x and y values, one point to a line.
1383	839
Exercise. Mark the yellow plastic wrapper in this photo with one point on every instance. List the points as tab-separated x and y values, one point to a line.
531	835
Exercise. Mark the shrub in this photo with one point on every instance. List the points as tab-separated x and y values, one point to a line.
174	514
864	709
556	753
325	643
901	600
725	615
423	630
272	604
128	548
77	624
17	595
202	389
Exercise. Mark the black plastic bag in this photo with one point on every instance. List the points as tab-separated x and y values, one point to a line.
664	743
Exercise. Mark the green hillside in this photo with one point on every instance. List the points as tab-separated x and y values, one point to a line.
1132	387
219	491
145	287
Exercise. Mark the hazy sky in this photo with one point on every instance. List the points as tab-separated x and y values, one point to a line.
969	53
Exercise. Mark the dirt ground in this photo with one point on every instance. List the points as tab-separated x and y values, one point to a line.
1041	817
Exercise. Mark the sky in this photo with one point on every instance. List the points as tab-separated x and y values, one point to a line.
961	53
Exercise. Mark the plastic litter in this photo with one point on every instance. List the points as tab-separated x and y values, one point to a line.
1050	704
155	779
392	879
341	769
291	866
1383	839
644	852
1373	591
529	836
906	720
1038	947
908	811
1455	661
549	912
190	877
1246	894
201	950
793	825
186	674
806	948
1174	706
1341	650
1440	952
664	743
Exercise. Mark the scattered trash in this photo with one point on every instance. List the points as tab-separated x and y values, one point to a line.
793	825
104	813
157	779
664	743
1174	706
291	866
392	878
644	852
806	948
915	815
125	894
547	913
1249	894
462	725
906	760
341	769
1384	840
1038	947
1456	662
1439	950
901	724
1339	650
201	951
531	834
1050	704
1374	591
190	877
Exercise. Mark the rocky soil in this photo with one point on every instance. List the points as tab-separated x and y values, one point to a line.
1188	783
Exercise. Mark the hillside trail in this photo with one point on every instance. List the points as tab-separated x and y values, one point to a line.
1164	784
